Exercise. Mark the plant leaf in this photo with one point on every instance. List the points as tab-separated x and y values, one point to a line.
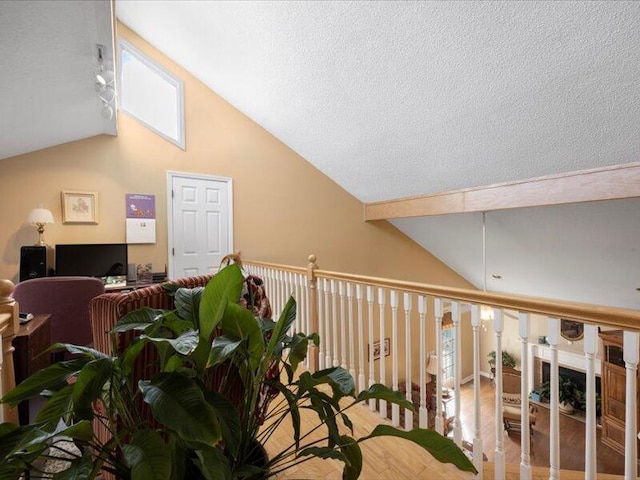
228	418
239	323
79	469
147	456
225	287
89	385
44	379
322	452
137	320
185	344
178	402
213	464
128	357
298	350
79	350
443	449
187	303
287	317
294	411
59	406
222	348
353	458
381	392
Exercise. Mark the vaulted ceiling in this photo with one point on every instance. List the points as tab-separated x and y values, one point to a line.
392	99
48	60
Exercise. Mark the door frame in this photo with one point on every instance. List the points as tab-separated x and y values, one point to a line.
171	174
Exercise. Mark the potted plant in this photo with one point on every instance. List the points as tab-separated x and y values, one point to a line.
541	392
195	431
568	395
507	359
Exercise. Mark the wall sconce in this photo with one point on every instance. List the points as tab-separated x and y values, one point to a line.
40	217
105	85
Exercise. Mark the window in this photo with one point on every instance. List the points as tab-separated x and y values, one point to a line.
150	94
448	353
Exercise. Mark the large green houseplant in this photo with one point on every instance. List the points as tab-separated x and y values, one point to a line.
198	432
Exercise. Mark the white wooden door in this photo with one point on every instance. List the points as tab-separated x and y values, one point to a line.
201	229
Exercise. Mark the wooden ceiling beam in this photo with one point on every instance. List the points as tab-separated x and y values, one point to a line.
607	183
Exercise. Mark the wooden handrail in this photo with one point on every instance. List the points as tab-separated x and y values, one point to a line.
596	314
9	325
286	268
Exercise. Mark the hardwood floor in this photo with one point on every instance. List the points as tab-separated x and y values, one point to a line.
571	436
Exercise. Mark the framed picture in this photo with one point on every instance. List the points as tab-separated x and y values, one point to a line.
571	330
376	348
79	207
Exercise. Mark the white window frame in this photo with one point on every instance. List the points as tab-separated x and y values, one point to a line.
160	70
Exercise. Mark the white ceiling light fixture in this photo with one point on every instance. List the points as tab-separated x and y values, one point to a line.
105	85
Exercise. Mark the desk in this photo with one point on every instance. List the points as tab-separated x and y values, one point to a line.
33	338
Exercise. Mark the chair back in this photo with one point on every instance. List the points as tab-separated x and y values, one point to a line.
66	299
511	385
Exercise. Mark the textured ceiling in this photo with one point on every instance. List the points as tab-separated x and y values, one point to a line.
48	63
392	99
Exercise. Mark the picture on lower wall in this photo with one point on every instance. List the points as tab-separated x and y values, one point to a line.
141	218
79	207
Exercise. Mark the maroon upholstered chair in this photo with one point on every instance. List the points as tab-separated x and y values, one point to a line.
66	299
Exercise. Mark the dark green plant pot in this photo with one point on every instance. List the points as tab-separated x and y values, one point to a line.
258	457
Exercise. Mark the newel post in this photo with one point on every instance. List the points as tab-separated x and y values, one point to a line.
8	308
313	311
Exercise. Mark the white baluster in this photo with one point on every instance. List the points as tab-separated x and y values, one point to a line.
383	371
631	345
408	414
525	440
590	452
372	373
395	408
439	411
554	413
498	326
280	288
334	315
343	326
327	293
322	327
424	412
457	375
352	337
361	379
478	448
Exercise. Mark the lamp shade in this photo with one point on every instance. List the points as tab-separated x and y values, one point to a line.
40	215
432	366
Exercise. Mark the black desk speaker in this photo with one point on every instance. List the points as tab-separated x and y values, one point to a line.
33	262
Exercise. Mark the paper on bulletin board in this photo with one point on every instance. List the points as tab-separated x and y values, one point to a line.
141	218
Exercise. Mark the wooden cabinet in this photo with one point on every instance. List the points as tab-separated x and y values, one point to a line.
614	391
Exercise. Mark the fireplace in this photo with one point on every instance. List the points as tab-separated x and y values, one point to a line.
576	376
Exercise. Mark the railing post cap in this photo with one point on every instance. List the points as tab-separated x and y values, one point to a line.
6	288
312	258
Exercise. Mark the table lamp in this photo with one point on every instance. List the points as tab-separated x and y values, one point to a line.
40	217
432	366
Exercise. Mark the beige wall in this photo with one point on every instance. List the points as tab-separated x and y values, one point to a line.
284	208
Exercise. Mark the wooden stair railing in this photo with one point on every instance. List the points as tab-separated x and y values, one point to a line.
9	324
357	316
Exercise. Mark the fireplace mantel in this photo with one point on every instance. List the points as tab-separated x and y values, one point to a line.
572	360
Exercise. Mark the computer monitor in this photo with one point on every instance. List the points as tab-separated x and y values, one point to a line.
91	260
